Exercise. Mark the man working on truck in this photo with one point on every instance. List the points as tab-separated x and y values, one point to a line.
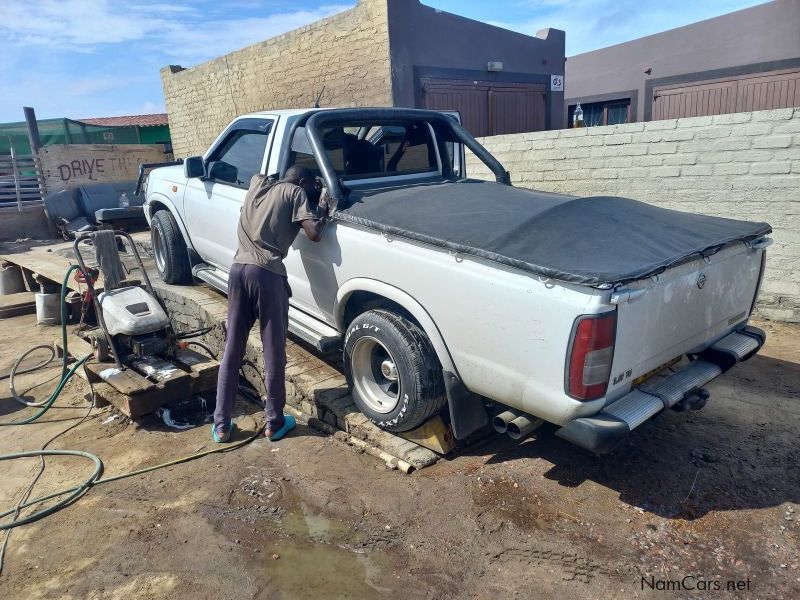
271	217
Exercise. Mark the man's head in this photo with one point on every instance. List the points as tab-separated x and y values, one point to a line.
305	178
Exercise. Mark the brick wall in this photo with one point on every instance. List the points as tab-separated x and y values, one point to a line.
742	166
347	53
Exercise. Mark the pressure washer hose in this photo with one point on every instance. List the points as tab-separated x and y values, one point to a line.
76	492
66	374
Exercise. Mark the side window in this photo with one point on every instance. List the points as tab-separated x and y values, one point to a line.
241	155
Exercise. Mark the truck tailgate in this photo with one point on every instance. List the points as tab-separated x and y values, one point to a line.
684	309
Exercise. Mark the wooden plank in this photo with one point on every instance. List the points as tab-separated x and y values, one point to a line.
13	305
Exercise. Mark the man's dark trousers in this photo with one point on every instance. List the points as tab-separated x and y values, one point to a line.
255	293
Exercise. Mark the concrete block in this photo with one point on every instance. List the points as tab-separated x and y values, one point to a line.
731	119
773	141
770	168
715	157
663	148
680	159
712	133
665	171
731	143
754	129
790	127
730	169
780	114
658	125
605	173
696	170
675	135
617	139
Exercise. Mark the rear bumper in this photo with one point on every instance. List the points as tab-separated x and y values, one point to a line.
603	432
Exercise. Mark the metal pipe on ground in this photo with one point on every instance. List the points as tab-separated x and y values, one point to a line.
501	421
522	426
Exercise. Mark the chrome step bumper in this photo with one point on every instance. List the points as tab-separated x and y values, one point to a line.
602	432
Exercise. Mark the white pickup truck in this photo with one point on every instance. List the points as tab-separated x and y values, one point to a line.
594	314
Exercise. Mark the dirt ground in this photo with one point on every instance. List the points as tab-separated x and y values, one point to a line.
713	495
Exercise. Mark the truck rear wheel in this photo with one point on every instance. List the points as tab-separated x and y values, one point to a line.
169	249
392	370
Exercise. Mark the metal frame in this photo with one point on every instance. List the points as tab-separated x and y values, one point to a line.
97	307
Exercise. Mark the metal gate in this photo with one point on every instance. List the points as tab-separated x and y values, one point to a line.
489	108
21	181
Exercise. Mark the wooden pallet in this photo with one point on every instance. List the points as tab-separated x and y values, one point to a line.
136	395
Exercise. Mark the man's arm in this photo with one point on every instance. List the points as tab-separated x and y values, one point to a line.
314	227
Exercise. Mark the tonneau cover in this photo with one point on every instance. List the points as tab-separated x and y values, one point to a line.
587	241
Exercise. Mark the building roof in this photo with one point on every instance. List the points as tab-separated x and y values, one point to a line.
150	120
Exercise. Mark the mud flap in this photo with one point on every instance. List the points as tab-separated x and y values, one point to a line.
467	413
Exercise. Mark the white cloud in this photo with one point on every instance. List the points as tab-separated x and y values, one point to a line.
176	30
593	24
205	40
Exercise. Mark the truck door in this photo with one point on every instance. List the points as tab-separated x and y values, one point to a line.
212	204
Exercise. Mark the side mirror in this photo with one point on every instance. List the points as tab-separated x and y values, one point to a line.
219	170
194	167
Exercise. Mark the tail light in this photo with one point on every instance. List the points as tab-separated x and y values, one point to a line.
590	356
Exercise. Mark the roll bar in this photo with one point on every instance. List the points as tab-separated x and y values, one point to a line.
442	123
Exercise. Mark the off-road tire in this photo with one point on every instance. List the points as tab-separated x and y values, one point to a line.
421	391
172	257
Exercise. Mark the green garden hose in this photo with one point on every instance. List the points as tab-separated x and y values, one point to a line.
76	492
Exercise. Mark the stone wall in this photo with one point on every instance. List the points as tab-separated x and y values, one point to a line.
742	166
347	54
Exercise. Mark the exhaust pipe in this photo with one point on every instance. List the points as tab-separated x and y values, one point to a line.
522	426
501	421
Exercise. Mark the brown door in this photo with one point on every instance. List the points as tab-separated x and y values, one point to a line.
469	99
489	108
780	90
766	91
694	100
516	109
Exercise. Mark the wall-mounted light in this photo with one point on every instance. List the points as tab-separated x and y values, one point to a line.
494	66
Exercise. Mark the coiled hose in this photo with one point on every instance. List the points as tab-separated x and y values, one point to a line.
73	493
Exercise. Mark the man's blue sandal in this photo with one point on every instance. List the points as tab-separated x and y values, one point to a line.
289	423
225	435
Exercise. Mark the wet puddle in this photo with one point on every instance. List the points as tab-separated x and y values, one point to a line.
324	564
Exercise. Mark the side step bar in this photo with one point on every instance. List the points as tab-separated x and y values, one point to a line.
309	329
602	432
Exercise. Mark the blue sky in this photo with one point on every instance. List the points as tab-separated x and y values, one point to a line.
93	58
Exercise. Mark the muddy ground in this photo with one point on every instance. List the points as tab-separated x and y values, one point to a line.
714	495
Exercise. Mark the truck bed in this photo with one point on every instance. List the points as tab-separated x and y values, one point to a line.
586	241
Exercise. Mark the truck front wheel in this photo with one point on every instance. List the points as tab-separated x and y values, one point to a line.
169	249
392	370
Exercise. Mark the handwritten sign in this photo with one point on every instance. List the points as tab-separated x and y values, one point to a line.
78	164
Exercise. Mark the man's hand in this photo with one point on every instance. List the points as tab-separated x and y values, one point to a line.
323	206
